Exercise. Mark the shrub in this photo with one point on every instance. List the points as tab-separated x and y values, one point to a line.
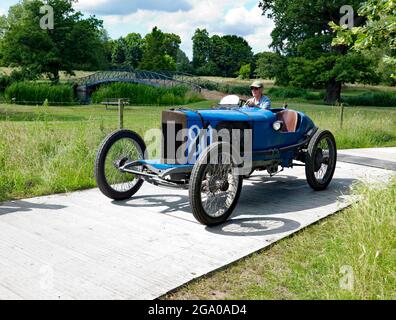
139	94
167	99
37	93
193	97
287	92
225	88
209	85
290	92
5	81
238	90
380	99
244	72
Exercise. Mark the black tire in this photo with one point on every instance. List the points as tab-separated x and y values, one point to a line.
317	160
104	185
198	175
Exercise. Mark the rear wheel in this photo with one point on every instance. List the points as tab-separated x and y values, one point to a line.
321	159
116	150
215	186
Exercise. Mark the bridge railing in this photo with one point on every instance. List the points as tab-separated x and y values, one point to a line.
139	76
194	80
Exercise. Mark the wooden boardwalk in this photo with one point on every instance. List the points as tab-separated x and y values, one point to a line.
84	246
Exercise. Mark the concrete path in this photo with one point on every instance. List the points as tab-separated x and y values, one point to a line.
84	246
376	157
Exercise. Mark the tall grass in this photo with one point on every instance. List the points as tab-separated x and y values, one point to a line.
37	93
362	127
42	158
27	92
146	95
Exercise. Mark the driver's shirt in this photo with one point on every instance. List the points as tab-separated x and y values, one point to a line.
264	103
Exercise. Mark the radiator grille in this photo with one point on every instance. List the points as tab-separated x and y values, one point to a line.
172	123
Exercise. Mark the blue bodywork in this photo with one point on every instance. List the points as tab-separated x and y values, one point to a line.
261	121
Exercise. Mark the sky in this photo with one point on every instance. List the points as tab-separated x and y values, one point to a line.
183	17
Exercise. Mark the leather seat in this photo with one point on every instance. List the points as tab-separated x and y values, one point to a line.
289	119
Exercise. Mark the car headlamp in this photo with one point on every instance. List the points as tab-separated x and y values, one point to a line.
277	125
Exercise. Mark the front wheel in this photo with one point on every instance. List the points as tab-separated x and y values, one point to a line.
215	186
116	150
321	160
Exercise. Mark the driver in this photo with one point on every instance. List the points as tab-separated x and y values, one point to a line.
259	100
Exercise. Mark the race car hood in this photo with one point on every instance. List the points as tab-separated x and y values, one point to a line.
242	114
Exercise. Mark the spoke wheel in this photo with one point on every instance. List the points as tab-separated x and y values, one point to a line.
321	160
215	187
118	149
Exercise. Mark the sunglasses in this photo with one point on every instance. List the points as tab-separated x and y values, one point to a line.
254	88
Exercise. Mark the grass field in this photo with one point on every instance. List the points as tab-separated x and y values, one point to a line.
46	150
348	256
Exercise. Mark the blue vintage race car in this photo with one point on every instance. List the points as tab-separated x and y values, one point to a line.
210	152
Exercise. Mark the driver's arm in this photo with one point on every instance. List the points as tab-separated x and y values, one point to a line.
265	103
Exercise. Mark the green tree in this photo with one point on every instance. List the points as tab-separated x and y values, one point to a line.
378	31
134	49
220	55
155	56
201	48
108	47
245	71
74	42
272	65
127	51
3	26
118	56
386	67
172	44
349	68
302	31
239	53
183	64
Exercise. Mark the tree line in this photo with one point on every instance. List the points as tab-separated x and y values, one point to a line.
306	52
78	43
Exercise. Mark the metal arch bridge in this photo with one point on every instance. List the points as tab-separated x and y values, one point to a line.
155	79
